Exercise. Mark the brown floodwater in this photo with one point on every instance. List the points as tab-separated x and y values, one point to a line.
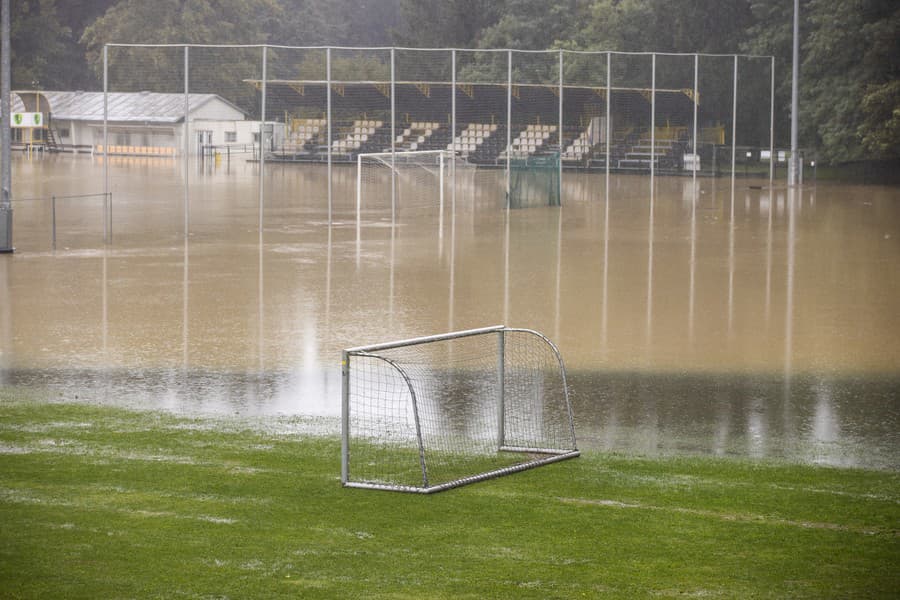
720	316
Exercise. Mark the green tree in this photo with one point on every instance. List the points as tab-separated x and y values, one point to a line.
850	100
712	26
38	45
45	35
772	34
220	71
446	23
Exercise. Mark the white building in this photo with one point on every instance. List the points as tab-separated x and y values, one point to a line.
138	123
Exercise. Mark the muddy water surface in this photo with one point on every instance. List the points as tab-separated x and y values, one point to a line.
716	317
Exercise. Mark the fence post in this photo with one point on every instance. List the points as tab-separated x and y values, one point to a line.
501	384
186	142
106	118
328	126
696	160
772	124
53	221
608	119
262	140
652	116
508	126
393	137
560	127
6	221
453	127
734	118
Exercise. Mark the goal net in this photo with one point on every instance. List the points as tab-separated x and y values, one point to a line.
432	413
388	182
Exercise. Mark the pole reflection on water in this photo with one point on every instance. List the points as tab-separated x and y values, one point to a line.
768	326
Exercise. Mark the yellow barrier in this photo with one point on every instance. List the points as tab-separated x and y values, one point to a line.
136	150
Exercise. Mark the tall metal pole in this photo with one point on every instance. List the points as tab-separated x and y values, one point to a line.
262	139
652	115
6	137
696	158
508	124
186	144
328	126
453	131
772	123
106	136
608	118
105	118
393	137
794	164
560	130
734	94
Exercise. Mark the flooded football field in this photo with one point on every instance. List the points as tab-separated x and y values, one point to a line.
726	317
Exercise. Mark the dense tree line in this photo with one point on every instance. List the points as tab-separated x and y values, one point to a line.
850	70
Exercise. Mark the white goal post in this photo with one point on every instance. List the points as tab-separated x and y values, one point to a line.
432	413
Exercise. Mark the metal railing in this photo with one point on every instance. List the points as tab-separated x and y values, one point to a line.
53	198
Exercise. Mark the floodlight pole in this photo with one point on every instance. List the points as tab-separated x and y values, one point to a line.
794	164
6	227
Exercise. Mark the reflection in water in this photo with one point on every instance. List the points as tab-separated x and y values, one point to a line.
768	326
650	270
692	263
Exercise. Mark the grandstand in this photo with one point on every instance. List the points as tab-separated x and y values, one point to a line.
362	122
613	111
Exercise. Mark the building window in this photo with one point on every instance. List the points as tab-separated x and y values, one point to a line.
64	132
230	137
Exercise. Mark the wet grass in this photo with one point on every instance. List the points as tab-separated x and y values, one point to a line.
101	503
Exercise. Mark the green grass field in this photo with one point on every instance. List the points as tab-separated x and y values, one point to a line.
107	503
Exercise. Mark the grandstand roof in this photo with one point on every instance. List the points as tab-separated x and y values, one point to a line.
424	96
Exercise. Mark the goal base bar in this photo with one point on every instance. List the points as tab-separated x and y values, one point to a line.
553	456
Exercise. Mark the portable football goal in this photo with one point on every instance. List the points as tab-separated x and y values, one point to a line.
433	413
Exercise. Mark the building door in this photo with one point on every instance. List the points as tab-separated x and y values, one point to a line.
204	142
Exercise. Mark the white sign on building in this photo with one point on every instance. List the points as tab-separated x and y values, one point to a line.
26	119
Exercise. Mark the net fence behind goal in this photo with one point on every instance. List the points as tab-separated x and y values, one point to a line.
434	413
534	181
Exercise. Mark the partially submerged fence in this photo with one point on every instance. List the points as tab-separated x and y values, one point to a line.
85	216
652	113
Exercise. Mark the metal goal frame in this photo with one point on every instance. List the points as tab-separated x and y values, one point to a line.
532	456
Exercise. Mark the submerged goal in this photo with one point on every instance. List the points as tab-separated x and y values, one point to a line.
432	413
395	181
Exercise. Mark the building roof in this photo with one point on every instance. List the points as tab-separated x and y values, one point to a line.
144	107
